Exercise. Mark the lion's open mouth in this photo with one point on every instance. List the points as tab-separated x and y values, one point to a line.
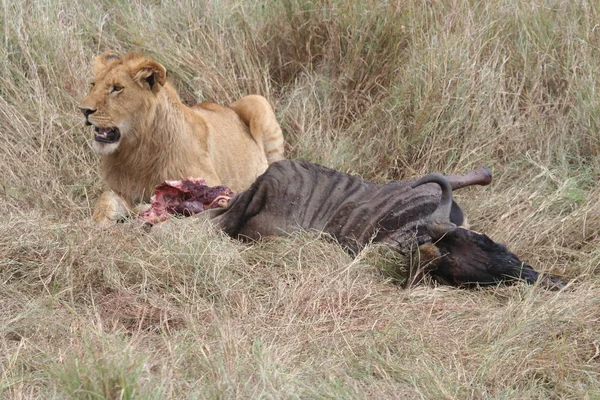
107	135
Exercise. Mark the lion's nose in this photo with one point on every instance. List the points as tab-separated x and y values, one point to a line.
87	111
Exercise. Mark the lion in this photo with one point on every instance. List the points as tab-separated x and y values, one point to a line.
145	135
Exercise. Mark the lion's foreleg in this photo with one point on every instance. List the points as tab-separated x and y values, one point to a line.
109	208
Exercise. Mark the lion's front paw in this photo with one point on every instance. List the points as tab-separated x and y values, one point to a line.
109	209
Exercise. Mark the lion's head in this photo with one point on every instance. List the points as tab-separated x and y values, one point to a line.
121	99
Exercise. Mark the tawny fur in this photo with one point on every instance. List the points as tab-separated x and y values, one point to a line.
161	138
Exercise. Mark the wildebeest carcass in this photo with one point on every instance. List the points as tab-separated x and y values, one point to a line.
405	215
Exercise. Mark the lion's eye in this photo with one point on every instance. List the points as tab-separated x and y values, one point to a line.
116	89
92	84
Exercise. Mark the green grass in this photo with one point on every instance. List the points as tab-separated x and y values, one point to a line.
386	90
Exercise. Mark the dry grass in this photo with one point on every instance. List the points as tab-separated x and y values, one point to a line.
382	89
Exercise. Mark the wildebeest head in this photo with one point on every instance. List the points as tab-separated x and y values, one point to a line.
462	257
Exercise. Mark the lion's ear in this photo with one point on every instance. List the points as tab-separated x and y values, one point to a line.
103	60
148	73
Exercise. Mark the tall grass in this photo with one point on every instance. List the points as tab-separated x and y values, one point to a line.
383	89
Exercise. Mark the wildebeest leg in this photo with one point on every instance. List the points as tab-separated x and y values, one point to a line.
480	176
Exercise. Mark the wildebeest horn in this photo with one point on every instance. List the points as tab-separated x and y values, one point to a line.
439	222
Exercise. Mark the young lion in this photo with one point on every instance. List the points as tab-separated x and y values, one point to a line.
146	135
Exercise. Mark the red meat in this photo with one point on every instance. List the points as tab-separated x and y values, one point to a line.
184	197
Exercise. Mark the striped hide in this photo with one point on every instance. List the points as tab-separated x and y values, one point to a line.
297	195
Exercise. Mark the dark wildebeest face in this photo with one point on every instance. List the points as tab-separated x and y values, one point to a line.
462	257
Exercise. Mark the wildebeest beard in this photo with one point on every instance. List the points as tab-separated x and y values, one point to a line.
405	215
